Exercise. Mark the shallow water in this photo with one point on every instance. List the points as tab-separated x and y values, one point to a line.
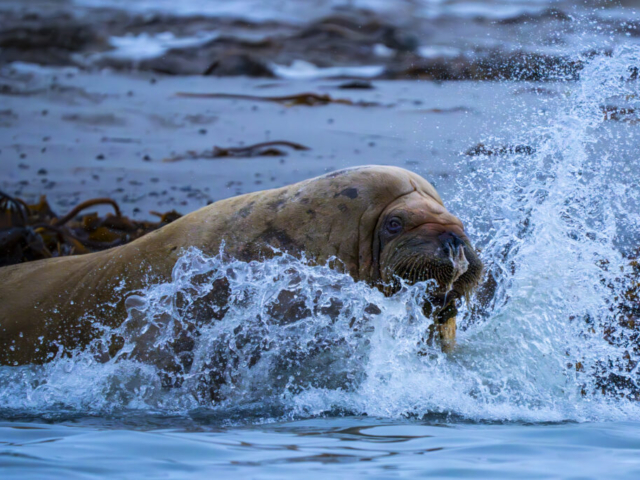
544	381
340	447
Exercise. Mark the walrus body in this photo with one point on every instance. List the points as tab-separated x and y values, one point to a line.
378	222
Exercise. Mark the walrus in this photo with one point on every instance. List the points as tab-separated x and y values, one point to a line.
379	224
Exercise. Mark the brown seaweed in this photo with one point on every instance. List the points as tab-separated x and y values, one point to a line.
263	149
306	99
33	232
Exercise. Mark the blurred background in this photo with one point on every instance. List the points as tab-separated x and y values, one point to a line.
92	105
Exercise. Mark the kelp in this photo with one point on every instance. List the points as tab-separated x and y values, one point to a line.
34	232
262	149
305	99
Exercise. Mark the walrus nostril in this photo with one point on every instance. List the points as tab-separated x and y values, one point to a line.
453	247
451	242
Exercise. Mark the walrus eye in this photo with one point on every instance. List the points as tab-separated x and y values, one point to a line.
394	226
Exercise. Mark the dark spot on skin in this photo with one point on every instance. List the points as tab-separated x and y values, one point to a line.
343	208
274	237
247	253
333	309
312	213
287	308
213	305
269	239
246	211
277	204
348	192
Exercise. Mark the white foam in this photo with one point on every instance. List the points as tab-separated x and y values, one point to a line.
382	51
146	46
438	51
490	11
302	70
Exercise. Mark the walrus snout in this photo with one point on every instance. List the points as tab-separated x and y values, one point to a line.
435	252
451	242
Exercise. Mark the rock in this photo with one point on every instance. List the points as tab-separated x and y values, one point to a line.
238	64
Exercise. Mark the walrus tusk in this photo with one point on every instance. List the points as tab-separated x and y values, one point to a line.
443	332
447	333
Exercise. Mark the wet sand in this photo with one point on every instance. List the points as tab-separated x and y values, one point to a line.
73	135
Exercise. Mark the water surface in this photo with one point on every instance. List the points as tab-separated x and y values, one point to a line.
340	447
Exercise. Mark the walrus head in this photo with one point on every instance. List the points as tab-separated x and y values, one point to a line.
418	239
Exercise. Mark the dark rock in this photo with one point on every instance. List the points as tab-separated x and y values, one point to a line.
51	34
494	66
398	39
242	64
482	149
548	14
357	85
46	41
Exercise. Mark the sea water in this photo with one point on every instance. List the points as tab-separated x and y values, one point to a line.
543	382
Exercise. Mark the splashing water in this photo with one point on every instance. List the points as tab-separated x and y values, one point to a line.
556	220
295	340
